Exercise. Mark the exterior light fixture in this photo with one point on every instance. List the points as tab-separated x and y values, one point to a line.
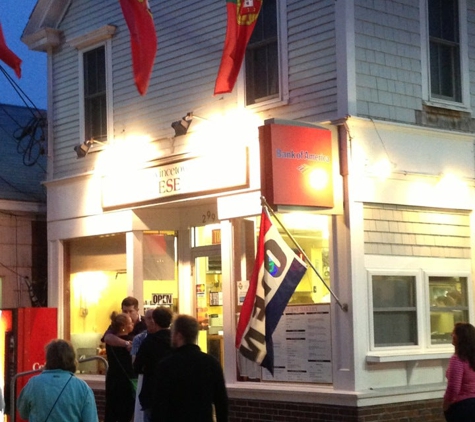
83	149
181	126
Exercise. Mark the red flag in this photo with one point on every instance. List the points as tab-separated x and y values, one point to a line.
143	40
276	274
8	56
242	17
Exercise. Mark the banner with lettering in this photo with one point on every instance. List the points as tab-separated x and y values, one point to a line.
276	273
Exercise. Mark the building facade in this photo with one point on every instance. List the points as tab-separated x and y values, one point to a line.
158	196
23	262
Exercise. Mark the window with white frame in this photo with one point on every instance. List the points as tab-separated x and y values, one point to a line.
265	60
448	305
445	50
95	94
95	82
396	301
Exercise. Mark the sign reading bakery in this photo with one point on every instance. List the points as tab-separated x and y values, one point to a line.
296	165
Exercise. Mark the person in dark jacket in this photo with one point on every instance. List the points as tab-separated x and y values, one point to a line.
120	393
188	381
155	346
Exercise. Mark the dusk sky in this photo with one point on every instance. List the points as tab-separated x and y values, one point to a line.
14	15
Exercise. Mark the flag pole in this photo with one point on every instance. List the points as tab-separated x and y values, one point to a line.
343	306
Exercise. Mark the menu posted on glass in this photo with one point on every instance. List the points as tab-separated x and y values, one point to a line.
302	345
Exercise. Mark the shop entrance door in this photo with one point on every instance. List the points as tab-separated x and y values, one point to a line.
209	298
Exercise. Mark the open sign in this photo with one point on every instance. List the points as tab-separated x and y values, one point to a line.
161	299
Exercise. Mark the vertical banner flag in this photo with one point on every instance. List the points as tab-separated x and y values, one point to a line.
143	40
8	56
276	273
241	20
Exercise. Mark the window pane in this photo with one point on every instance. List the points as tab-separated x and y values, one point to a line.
96	283
394	299
311	234
95	106
443	19
444	66
96	118
262	67
206	235
94	71
387	333
449	305
445	71
393	291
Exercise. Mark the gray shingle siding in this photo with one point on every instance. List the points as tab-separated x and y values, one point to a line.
388	60
410	231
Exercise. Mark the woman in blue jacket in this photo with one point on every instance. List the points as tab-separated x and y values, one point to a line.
56	395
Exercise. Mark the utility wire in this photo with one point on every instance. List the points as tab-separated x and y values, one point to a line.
31	139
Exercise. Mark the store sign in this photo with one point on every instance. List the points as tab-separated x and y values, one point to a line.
220	170
161	299
296	165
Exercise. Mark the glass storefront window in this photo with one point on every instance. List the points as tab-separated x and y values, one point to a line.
311	297
448	305
206	235
209	304
160	273
97	285
310	231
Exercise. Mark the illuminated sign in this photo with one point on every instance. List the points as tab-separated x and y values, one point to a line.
296	165
220	170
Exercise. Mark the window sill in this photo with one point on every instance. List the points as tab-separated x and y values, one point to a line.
266	105
448	105
383	357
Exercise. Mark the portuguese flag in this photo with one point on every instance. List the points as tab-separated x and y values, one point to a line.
143	40
8	56
242	17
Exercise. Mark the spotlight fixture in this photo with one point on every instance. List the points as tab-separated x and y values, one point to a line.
181	126
83	149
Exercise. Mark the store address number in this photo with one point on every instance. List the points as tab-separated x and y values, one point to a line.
209	216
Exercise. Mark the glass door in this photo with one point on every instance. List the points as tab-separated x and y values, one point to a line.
209	299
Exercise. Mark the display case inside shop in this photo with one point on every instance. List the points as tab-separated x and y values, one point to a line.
448	305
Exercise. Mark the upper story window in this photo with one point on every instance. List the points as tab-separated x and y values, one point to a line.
95	98
445	50
265	61
95	82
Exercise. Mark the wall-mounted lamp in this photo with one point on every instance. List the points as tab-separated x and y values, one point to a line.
181	126
83	149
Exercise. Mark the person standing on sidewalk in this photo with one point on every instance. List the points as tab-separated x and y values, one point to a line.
153	349
120	389
129	306
188	382
57	395
459	398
